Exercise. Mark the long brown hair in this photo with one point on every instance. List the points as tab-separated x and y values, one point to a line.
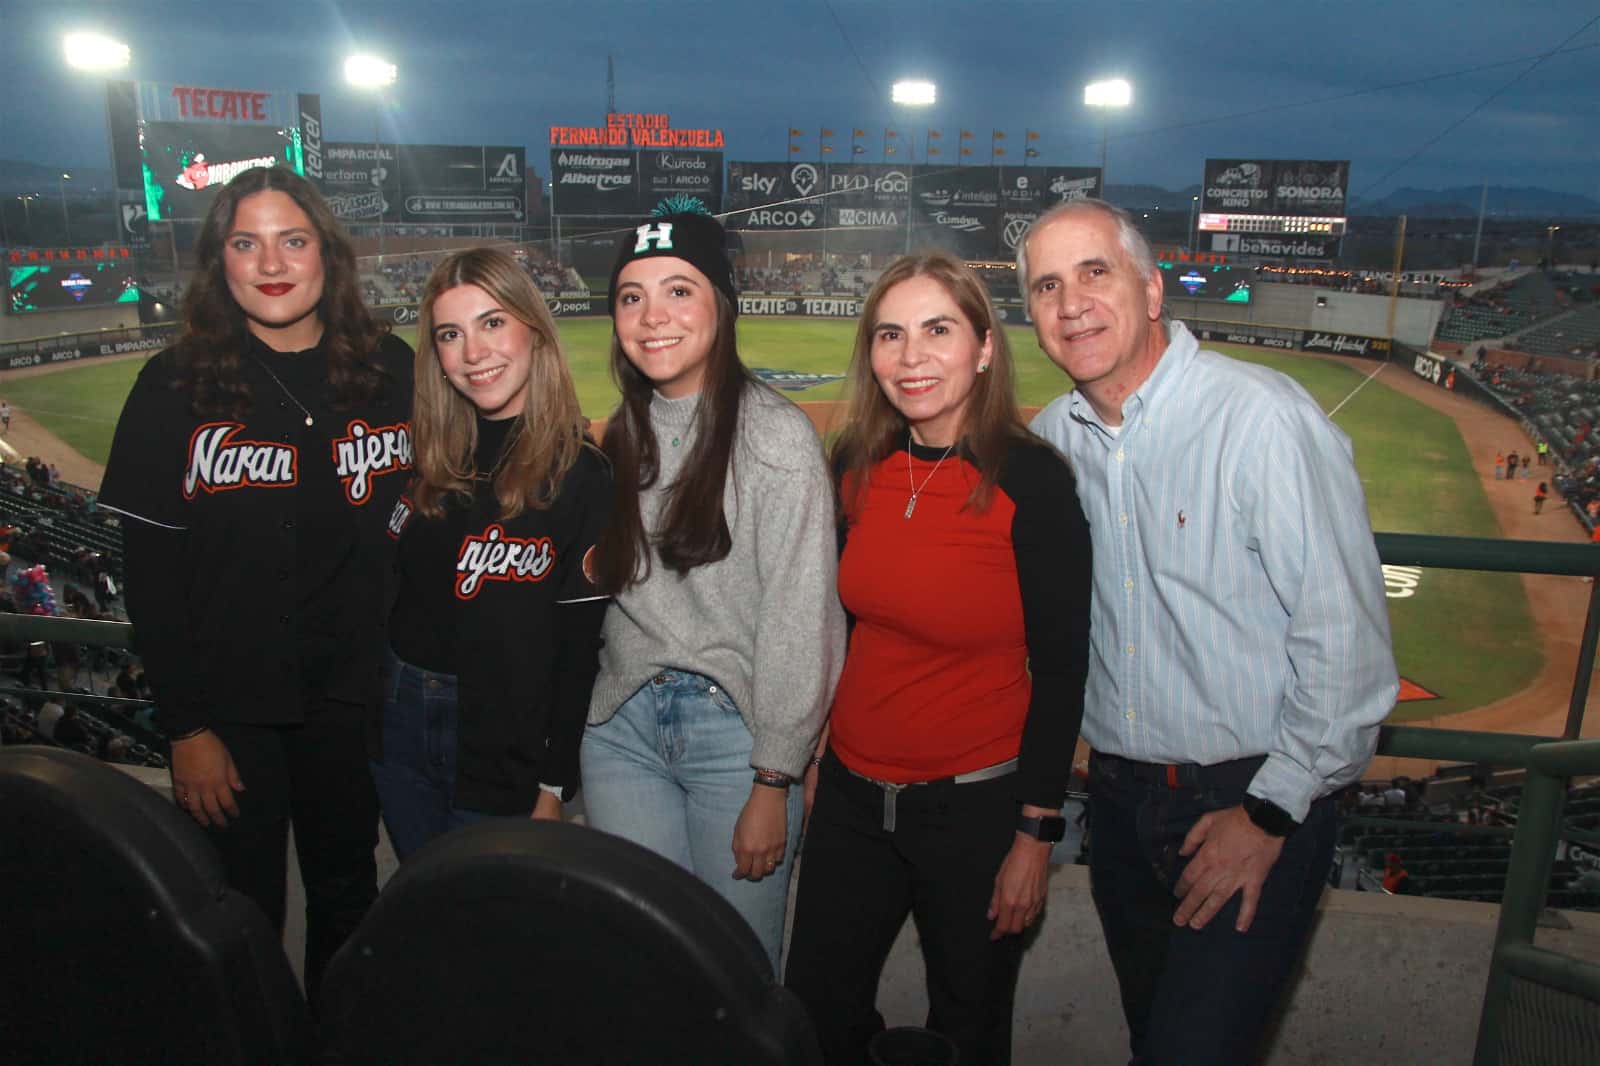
211	346
444	424
694	531
873	428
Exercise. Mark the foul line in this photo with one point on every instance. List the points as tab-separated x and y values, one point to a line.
66	414
1355	390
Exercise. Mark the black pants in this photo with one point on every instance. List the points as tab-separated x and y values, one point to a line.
858	882
315	776
1200	998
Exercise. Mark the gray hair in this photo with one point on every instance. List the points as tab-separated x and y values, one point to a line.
1133	242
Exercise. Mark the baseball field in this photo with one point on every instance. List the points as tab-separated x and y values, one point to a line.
1466	639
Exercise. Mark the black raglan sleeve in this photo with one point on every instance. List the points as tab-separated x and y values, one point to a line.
1050	537
144	486
580	610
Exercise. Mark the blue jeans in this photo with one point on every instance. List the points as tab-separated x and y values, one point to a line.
1195	997
417	778
671	771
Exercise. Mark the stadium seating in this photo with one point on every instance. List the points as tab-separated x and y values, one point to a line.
122	942
583	947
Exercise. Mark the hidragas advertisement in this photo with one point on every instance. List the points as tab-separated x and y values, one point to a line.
186	163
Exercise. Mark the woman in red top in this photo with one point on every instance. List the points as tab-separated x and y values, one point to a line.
966	573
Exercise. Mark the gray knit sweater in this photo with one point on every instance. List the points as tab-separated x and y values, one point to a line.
764	622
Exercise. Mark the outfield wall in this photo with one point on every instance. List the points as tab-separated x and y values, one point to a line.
69	348
42	323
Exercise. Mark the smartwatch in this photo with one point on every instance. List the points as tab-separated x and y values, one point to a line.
1050	828
1268	816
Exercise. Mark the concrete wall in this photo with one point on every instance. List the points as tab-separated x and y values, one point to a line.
55	323
1277	304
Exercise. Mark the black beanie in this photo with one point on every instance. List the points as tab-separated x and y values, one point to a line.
697	239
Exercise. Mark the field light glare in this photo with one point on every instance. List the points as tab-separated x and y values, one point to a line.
94	51
369	72
1112	93
916	93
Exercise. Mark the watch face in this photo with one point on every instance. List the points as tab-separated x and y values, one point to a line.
1048	829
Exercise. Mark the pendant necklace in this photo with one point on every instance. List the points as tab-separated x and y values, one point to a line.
916	490
262	364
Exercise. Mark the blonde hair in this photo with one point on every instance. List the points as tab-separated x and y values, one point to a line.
873	428
444	424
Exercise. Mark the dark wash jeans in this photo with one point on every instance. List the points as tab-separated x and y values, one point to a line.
858	882
1195	997
417	778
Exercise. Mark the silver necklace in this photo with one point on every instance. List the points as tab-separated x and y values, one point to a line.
916	490
262	364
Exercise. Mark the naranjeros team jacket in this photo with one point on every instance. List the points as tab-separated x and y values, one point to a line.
256	547
509	606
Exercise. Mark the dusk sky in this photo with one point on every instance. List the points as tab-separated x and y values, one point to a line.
1467	87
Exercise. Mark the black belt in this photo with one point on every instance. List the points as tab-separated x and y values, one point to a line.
1234	773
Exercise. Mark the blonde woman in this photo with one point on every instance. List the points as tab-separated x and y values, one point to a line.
495	627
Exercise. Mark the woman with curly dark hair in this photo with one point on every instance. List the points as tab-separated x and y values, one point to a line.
255	465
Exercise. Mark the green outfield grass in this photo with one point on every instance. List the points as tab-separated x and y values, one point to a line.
1466	636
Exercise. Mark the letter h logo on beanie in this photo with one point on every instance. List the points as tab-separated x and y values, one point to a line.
659	234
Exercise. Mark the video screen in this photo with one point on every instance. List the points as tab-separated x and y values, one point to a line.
185	163
1202	281
67	286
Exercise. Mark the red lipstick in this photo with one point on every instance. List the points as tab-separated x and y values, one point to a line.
276	288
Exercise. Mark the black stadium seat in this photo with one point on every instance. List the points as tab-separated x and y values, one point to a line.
120	942
523	941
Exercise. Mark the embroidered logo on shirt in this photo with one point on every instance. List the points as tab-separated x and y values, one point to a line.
403	510
497	557
217	462
366	452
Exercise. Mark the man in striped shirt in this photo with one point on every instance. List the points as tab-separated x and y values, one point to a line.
1240	655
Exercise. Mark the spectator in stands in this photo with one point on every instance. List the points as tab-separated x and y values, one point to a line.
1240	662
721	555
506	666
1394	797
70	731
936	691
50	713
127	687
256	571
1396	879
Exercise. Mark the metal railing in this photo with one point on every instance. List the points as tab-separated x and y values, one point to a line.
1539	1006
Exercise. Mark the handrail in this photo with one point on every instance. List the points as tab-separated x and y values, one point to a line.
1548	764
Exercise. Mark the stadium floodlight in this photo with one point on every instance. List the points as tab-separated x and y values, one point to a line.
95	52
366	71
1114	92
914	93
1108	95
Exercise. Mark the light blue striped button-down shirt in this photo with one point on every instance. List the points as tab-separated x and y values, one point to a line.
1238	600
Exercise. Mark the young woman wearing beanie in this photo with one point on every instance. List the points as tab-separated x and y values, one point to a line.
725	637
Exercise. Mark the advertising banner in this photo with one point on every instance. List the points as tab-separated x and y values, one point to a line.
771	196
680	173
1300	188
68	286
1345	344
439	168
594	181
1243	335
152	340
868	185
311	136
1280	246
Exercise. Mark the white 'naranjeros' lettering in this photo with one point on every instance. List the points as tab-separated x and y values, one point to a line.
217	462
497	557
366	452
